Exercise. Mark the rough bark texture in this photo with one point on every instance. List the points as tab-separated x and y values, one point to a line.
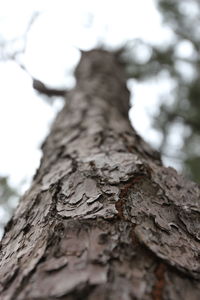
103	218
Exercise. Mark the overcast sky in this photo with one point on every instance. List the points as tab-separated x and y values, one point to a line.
51	53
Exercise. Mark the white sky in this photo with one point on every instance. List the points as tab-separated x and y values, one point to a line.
51	54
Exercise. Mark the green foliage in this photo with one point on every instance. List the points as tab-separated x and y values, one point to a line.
183	18
6	191
8	201
193	164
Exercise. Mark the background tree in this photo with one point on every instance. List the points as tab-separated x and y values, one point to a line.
179	61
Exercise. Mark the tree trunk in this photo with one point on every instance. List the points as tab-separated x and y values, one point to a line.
103	218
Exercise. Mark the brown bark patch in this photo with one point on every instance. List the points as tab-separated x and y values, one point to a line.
123	193
157	292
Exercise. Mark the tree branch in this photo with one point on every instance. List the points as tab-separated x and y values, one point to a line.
40	87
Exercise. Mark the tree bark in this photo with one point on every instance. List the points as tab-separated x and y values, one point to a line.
103	218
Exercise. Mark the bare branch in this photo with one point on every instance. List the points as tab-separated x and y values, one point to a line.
43	89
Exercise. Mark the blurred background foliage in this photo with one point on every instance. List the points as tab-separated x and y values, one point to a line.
8	200
179	112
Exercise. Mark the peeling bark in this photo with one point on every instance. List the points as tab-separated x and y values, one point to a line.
103	218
